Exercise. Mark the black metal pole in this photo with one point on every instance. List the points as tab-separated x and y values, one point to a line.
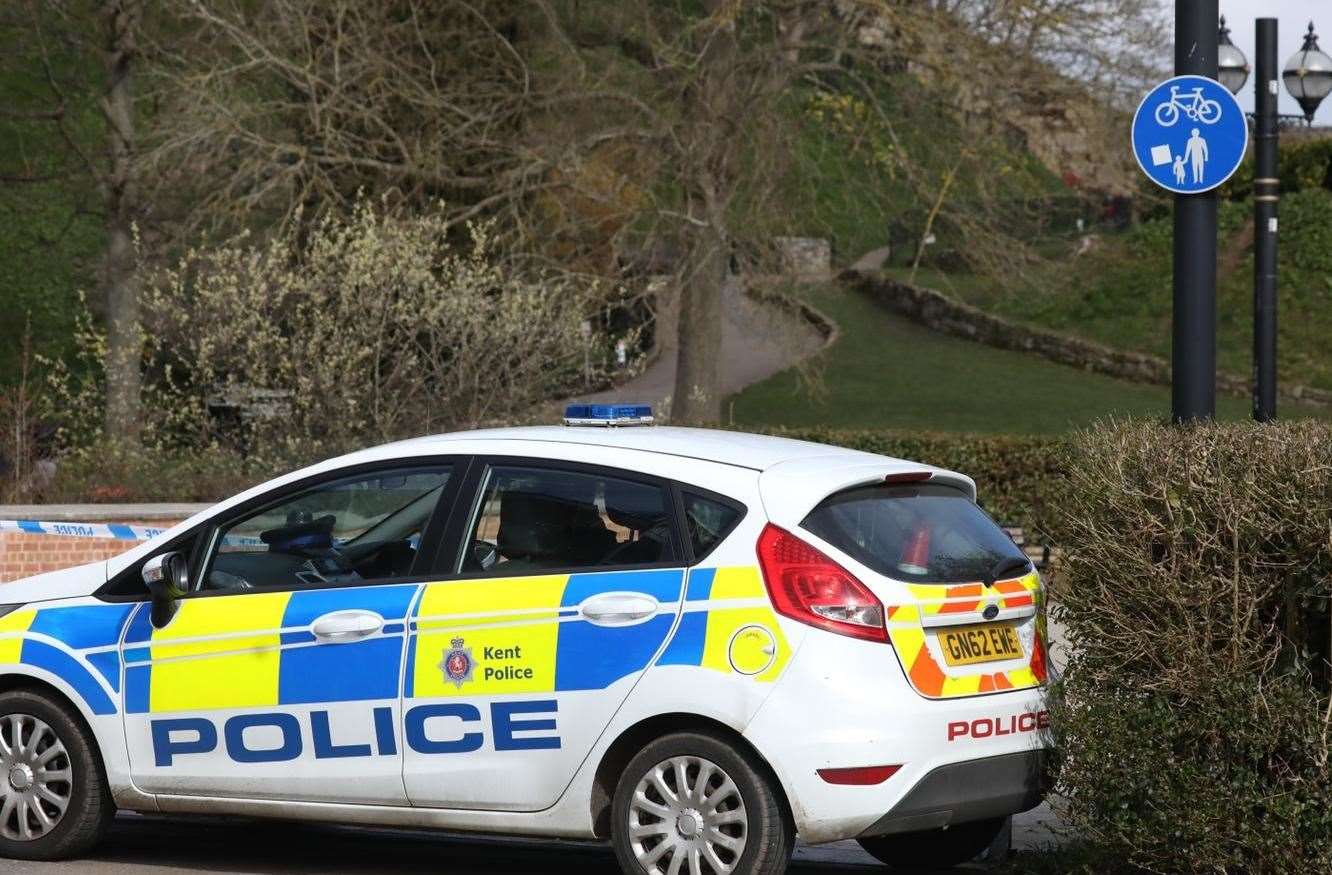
1265	197
1193	350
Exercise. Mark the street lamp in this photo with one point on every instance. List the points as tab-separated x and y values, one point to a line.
1232	66
1308	75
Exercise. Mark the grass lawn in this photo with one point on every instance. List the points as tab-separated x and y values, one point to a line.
886	372
1120	293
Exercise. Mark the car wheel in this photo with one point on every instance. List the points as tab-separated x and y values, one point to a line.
692	804
936	848
54	800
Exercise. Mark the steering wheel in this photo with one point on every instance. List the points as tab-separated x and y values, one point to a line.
334	556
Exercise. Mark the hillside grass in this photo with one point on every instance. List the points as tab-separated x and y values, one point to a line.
1119	293
886	372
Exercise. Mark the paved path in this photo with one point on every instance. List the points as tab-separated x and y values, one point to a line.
177	846
758	340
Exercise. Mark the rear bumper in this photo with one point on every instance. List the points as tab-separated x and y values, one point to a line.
996	786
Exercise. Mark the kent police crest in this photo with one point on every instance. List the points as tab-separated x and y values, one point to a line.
458	664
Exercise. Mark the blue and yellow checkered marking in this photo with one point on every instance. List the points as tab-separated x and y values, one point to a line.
719	603
256	649
351	672
77	644
525	634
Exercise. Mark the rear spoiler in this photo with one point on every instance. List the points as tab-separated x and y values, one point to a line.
790	490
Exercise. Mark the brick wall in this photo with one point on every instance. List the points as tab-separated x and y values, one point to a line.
23	554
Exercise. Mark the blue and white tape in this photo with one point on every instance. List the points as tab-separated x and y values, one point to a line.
110	531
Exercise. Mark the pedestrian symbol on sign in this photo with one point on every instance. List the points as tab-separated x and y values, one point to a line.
1196	154
1199	155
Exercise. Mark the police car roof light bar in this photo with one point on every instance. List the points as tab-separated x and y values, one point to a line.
607	415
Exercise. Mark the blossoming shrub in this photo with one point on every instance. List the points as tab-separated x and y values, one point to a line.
1193	715
357	329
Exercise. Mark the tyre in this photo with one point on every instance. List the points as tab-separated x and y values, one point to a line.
692	804
936	848
54	800
1209	112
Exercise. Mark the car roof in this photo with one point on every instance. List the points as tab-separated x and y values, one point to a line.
758	452
802	471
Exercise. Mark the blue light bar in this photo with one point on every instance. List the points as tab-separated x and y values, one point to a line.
608	414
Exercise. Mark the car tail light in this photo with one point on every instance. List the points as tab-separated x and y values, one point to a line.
863	776
807	586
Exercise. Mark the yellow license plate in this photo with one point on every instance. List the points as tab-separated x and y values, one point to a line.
968	645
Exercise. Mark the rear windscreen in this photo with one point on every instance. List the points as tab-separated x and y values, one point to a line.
922	533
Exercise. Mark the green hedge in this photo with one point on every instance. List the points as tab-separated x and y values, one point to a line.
1304	165
1016	477
1192	716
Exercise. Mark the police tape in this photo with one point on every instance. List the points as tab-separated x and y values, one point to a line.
108	531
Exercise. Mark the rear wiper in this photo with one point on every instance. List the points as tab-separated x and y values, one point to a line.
1004	566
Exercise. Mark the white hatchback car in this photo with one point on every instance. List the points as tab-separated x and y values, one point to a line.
700	644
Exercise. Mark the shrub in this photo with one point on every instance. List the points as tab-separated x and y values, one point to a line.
351	330
1192	717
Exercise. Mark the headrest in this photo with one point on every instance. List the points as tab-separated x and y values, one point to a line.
633	505
533	526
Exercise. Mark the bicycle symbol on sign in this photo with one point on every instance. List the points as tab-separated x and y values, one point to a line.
1193	105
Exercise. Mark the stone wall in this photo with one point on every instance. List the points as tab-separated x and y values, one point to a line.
937	311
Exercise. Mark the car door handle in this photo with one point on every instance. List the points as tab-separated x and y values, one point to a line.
618	608
342	626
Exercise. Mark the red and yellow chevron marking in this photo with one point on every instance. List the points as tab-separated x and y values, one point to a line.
934	680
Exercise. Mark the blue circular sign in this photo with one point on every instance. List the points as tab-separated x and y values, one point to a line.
1189	134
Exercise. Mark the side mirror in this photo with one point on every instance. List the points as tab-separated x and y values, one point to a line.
167	578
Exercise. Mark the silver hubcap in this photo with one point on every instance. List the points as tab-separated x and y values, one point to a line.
40	779
687	816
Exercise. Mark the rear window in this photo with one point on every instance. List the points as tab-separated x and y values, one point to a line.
709	522
922	533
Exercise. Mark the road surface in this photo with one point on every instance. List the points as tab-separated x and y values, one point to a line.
188	846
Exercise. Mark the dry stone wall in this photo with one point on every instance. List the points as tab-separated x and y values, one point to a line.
939	312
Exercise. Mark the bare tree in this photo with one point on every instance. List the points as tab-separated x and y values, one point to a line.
120	23
66	36
596	130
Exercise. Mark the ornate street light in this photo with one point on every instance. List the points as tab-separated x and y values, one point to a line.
1232	66
1308	75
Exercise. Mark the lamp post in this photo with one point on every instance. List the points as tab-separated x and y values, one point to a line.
1308	75
1232	68
1193	326
1266	194
1308	78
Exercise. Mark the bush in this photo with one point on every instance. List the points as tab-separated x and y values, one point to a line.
1015	476
347	331
1192	717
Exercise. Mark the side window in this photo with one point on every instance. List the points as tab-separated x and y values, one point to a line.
362	528
536	519
709	521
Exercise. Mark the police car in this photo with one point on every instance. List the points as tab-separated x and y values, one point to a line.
698	644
